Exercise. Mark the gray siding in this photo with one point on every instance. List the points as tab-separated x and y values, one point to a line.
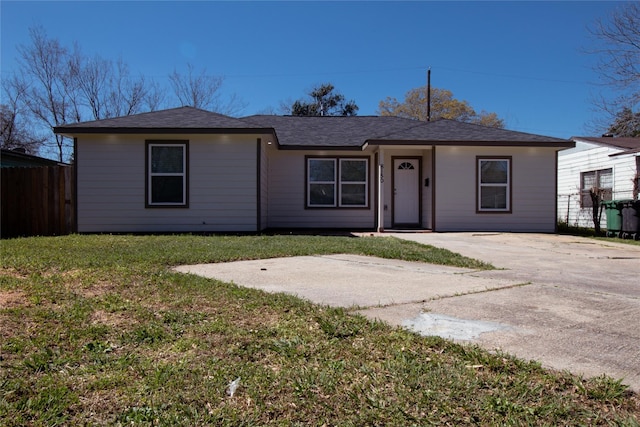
267	142
222	185
287	195
533	190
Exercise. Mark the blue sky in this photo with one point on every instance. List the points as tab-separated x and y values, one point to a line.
523	60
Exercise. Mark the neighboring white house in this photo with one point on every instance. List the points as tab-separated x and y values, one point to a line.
608	163
189	170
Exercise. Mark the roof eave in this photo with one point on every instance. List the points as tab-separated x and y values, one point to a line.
79	130
322	147
625	152
545	144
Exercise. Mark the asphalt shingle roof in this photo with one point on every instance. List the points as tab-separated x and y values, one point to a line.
622	143
188	118
444	130
331	132
355	131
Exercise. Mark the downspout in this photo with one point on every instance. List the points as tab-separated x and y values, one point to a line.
380	178
555	225
433	188
259	185
74	187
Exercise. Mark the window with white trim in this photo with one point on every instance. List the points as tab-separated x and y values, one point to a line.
337	182
167	173
494	184
600	181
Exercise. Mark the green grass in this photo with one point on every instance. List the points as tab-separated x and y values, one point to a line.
98	330
564	228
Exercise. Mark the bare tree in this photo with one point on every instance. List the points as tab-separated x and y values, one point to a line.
105	88
91	79
58	85
596	194
202	90
45	82
16	129
617	45
195	90
155	96
127	94
55	85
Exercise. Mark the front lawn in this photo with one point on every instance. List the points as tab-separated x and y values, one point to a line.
98	330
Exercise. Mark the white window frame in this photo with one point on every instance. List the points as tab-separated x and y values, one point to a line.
310	183
337	183
506	185
365	182
151	174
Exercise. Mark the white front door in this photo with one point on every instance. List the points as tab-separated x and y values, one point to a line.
406	192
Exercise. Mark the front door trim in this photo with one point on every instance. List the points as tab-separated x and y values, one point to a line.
393	186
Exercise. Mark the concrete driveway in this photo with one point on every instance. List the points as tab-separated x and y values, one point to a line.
569	302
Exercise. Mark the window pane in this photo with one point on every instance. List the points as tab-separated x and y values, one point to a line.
606	179
493	197
166	159
585	199
322	170
406	165
493	171
588	180
353	170
353	194
167	189
322	194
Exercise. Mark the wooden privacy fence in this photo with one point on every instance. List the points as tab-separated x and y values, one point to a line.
37	201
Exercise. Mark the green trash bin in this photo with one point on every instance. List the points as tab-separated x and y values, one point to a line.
613	210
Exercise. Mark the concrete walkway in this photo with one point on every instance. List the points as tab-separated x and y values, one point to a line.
571	303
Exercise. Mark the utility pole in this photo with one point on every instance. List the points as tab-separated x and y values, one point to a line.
429	94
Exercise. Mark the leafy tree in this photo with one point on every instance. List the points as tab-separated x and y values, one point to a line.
324	101
617	46
443	106
626	124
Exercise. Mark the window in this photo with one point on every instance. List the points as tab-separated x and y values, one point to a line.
353	182
406	166
600	180
167	173
337	182
322	182
494	184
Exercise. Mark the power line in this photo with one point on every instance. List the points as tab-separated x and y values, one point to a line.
374	71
